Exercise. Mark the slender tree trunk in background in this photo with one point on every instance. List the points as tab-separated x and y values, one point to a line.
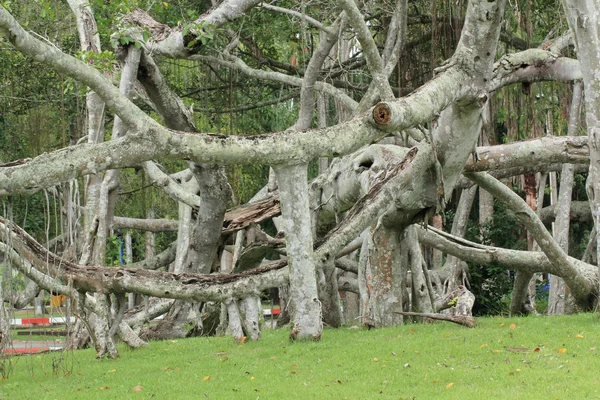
412	257
436	255
486	201
5	341
128	260
560	300
459	228
365	281
322	123
523	299
90	42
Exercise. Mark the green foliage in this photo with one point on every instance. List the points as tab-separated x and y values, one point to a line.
113	251
492	284
10	279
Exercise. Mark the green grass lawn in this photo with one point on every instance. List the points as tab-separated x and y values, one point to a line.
502	358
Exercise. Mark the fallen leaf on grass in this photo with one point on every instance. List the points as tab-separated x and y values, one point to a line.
112	371
513	326
562	350
448	386
483	346
496	351
376	359
502	324
578	336
251	378
105	388
137	389
517	370
536	350
293	371
173	341
206	378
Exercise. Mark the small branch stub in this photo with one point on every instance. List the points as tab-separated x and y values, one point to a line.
382	114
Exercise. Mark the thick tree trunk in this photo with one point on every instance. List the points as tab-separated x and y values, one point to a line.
583	17
293	189
386	282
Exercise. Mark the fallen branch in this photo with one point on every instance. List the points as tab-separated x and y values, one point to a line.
469	322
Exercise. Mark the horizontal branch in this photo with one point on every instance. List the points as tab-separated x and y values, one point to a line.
545	150
526	261
533	65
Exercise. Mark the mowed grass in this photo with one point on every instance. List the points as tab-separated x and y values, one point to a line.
502	358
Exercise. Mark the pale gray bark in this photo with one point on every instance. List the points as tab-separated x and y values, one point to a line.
458	276
583	18
129	261
560	300
293	188
171	42
252	310
385	283
235	320
421	297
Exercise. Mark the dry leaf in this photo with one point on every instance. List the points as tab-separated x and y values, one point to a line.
243	339
536	350
578	336
513	326
375	359
273	358
112	371
496	351
206	378
562	350
448	386
517	370
251	378
436	380
502	324
483	346
173	341
293	371
137	389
